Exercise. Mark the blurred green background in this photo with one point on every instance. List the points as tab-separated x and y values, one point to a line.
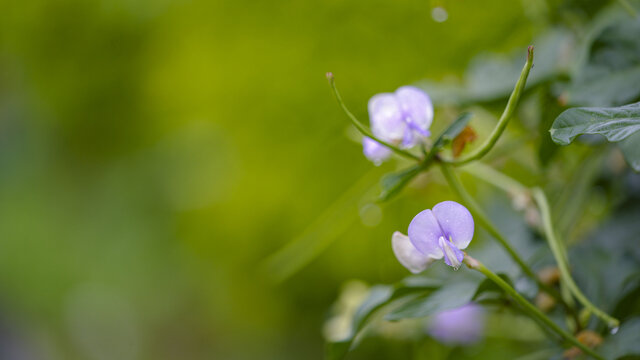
154	154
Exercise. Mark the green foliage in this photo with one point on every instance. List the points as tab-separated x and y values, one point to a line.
616	124
378	297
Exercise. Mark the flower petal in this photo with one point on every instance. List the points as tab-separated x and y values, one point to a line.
386	118
452	255
375	151
408	255
416	107
464	325
456	223
424	232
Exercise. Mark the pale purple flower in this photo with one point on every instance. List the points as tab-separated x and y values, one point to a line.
375	151
462	326
402	118
434	234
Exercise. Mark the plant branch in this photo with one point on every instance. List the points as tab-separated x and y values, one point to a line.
528	307
561	258
504	119
484	221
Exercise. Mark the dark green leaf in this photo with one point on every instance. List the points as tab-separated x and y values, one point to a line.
394	182
631	149
379	296
618	124
488	286
451	296
624	342
611	72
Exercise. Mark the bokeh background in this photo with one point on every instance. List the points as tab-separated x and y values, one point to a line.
155	155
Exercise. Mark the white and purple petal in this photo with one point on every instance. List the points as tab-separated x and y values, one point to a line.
416	107
386	117
408	255
375	151
464	325
452	255
456	223
424	232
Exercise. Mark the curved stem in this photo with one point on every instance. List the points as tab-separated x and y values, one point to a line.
561	258
504	119
528	307
484	221
363	129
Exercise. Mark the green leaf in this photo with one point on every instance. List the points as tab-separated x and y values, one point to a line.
611	70
618	124
451	132
615	123
488	286
379	296
448	297
394	182
624	342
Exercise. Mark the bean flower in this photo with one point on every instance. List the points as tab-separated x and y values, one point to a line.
442	232
402	118
462	326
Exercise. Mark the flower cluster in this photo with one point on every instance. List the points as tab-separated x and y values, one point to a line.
434	234
402	118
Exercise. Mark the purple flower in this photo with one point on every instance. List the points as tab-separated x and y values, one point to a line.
434	234
402	118
463	325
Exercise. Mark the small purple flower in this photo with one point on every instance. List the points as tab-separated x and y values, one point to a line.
434	234
463	325
402	118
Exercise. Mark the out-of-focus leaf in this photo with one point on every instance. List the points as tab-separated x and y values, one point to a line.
451	296
624	342
550	108
379	296
491	77
617	124
394	182
330	224
607	258
631	149
611	72
488	286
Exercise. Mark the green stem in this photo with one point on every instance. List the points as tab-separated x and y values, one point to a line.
561	258
363	129
504	119
528	307
625	4
484	221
